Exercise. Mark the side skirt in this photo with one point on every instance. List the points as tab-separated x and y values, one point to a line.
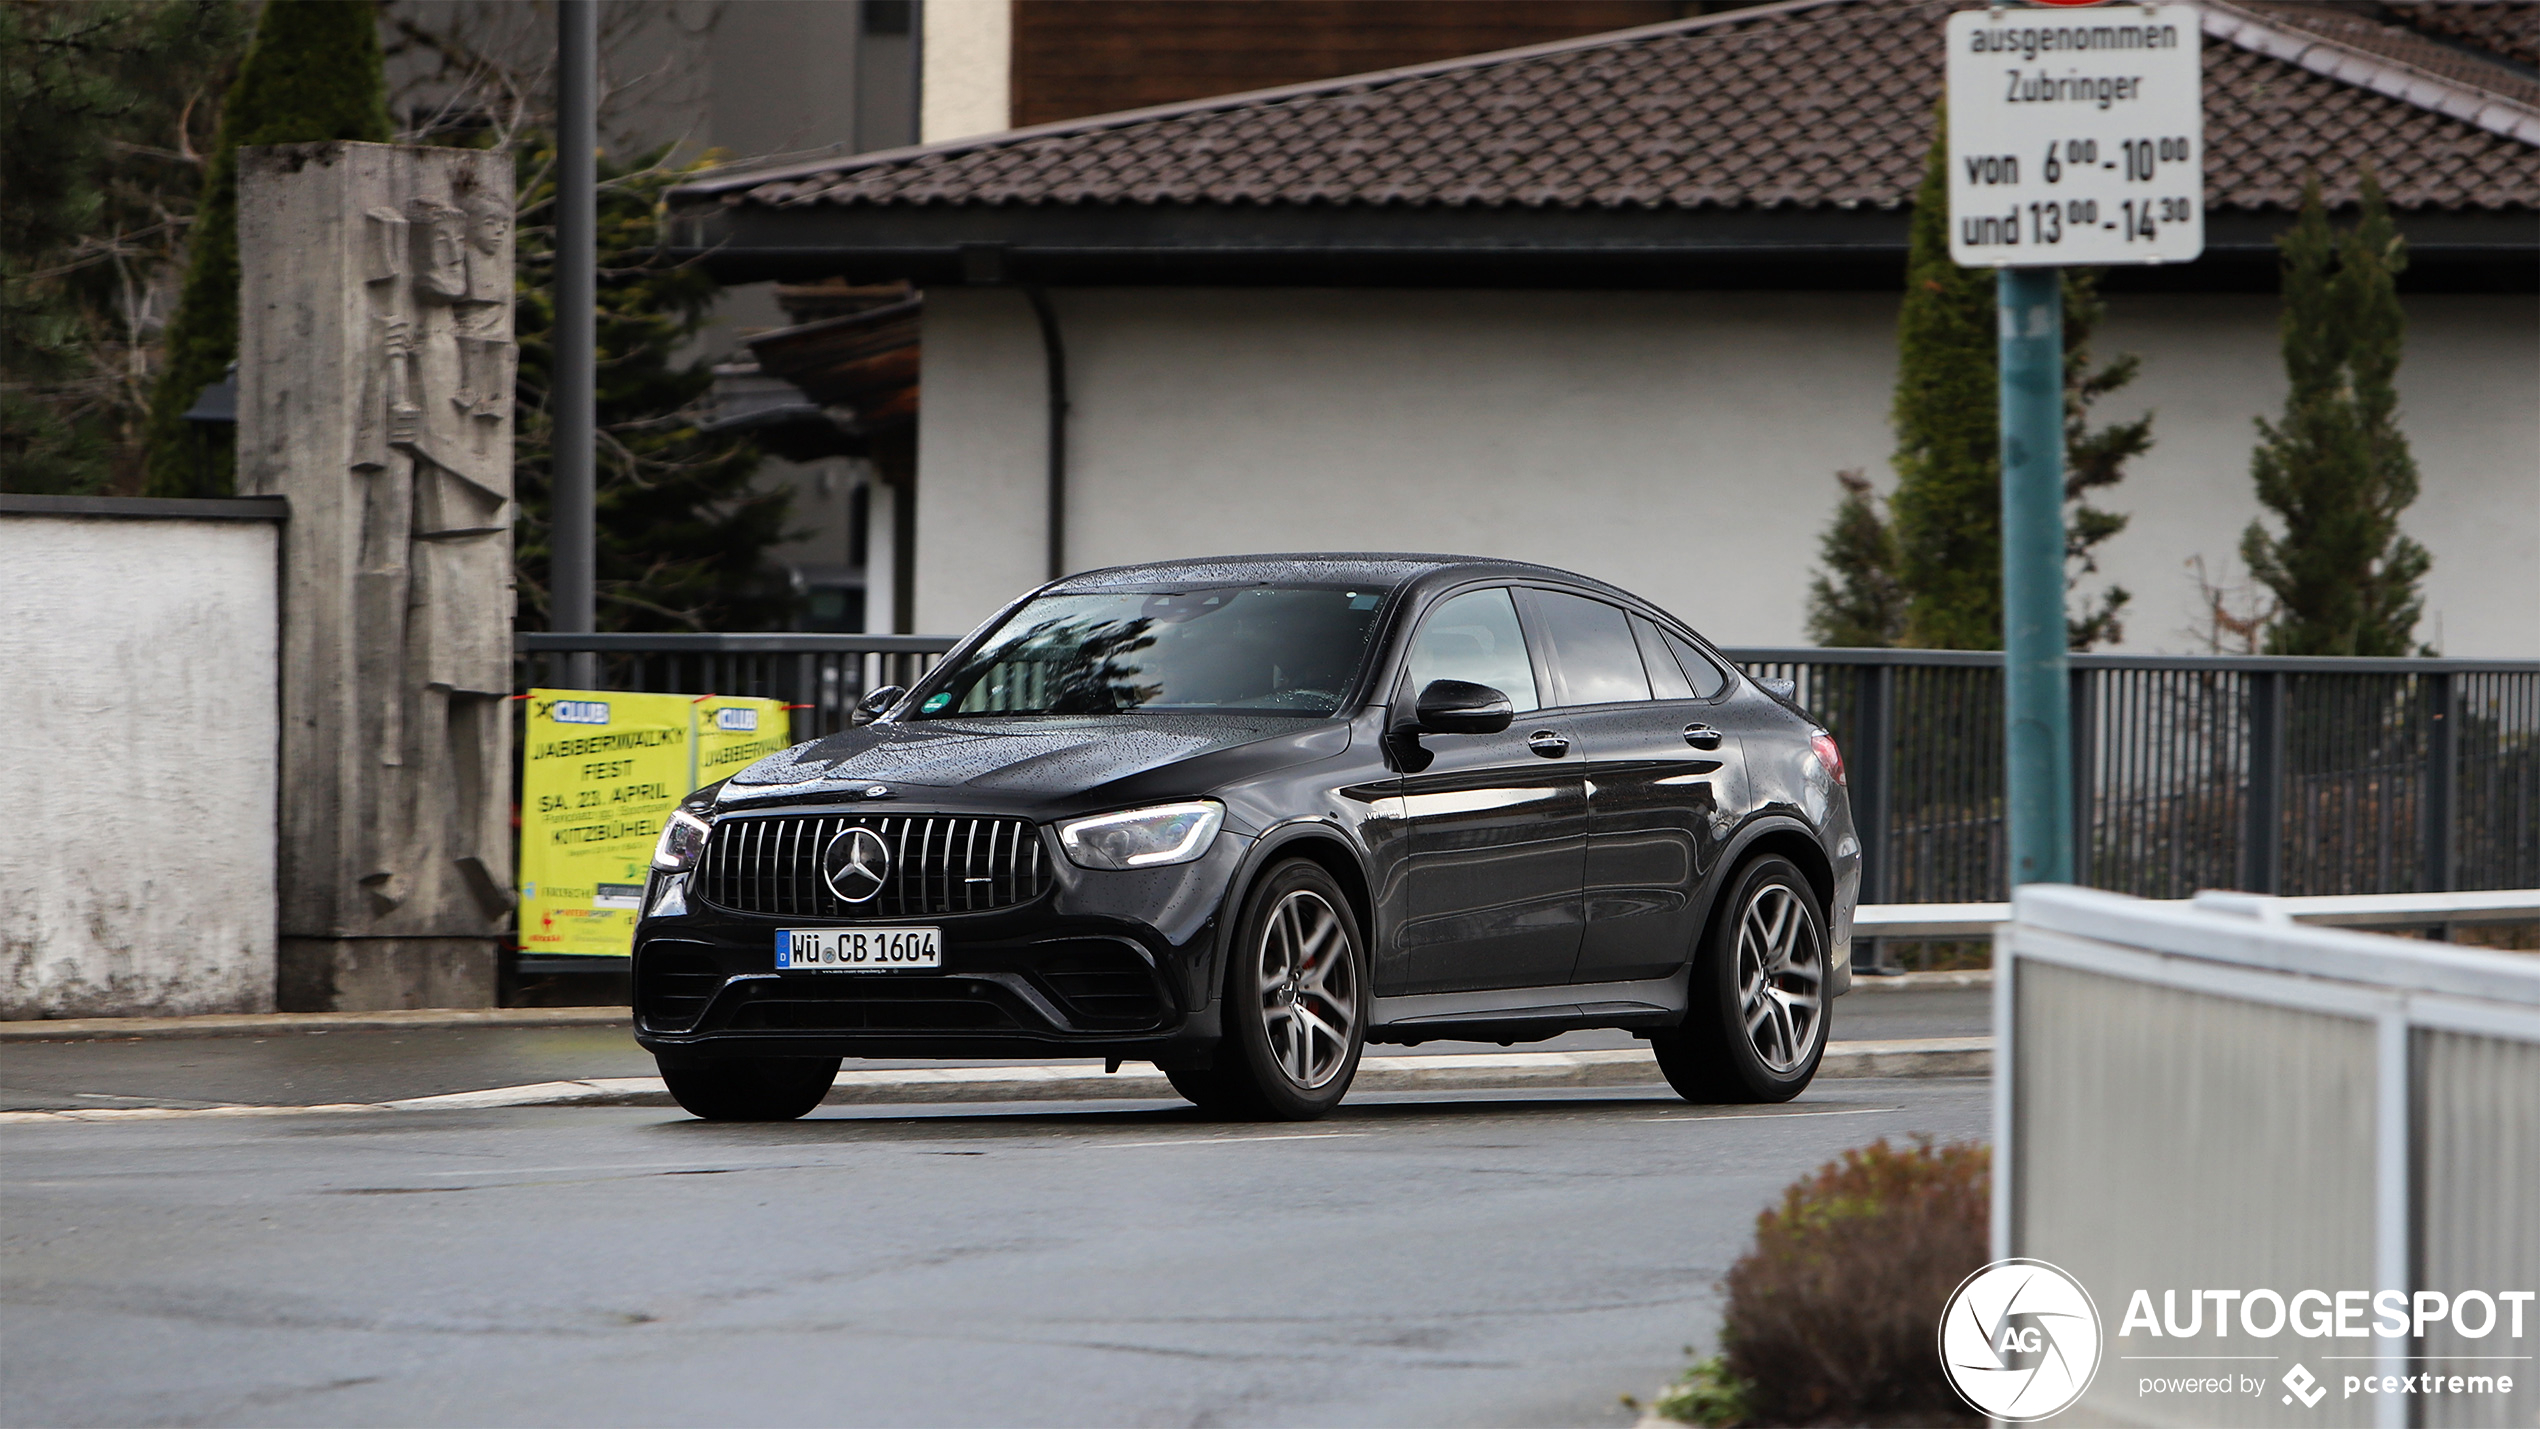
1527	1014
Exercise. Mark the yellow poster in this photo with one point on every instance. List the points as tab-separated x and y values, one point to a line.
734	733
600	772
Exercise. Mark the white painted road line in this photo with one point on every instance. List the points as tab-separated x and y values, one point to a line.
1769	1115
1227	1140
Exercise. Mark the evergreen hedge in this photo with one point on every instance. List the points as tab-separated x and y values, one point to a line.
312	72
2336	470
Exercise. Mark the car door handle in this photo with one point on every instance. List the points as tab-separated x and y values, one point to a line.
1702	736
1548	743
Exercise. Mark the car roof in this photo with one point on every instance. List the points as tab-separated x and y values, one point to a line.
1382	569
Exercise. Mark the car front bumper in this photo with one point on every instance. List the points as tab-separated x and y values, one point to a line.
1101	964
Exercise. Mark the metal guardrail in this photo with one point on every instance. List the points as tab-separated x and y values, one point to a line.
2483	907
2196	1096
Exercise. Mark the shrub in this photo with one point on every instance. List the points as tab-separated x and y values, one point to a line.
1833	1317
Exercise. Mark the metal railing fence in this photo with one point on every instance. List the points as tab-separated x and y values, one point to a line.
2186	1096
2270	774
819	676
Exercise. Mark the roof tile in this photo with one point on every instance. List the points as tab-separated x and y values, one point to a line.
1820	104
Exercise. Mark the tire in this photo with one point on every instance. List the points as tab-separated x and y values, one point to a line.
1203	1089
748	1088
1296	1003
1756	1024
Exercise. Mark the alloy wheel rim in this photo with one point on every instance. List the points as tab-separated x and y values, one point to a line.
1781	975
1308	984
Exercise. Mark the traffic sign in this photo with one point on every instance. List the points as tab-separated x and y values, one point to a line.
2076	137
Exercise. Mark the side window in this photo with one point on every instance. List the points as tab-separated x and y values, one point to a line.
1708	679
1594	657
1474	637
1666	681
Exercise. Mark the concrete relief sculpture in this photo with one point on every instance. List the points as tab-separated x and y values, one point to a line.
396	827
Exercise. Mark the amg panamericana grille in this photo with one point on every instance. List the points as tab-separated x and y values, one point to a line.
940	863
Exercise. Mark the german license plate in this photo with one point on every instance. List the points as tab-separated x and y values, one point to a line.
857	950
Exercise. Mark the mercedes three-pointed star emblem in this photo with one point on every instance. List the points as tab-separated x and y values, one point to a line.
856	863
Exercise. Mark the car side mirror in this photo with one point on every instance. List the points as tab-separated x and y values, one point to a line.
1462	707
871	707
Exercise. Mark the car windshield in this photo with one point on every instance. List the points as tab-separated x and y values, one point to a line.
1256	649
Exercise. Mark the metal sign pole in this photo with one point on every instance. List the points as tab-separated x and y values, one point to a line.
572	533
2071	140
2036	689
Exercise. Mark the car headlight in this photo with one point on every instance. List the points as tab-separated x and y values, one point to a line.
682	839
1143	838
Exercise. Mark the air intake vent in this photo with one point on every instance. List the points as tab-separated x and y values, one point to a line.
1103	984
673	983
939	864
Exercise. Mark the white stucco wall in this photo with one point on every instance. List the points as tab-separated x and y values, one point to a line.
138	689
967	52
1681	445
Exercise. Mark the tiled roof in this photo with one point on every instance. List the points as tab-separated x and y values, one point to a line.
2407	44
1805	104
2510	28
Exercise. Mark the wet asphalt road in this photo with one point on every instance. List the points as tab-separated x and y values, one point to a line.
1415	1259
315	1068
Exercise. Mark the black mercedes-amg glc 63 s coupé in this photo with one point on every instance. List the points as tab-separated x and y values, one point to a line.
1242	817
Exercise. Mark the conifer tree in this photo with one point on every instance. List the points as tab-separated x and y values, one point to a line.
1945	524
312	72
104	108
1948	501
682	530
2336	470
2094	458
1855	599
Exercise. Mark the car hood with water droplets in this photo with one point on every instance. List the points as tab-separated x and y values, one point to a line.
1028	759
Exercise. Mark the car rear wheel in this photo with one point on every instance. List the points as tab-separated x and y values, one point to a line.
1756	1024
748	1088
1296	1003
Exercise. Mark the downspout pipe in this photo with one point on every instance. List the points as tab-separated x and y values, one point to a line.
1054	353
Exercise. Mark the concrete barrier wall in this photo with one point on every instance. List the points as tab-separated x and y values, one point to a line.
138	736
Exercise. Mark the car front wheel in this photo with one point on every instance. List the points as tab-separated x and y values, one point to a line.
1755	1026
1296	1003
748	1088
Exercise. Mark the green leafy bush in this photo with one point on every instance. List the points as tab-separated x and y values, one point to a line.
1833	1316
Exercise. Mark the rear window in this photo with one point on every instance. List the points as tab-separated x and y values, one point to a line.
1707	677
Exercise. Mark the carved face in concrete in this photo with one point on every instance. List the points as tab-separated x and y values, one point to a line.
440	249
489	221
489	248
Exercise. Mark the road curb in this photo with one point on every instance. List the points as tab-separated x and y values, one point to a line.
1923	982
269	1024
1477	1071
